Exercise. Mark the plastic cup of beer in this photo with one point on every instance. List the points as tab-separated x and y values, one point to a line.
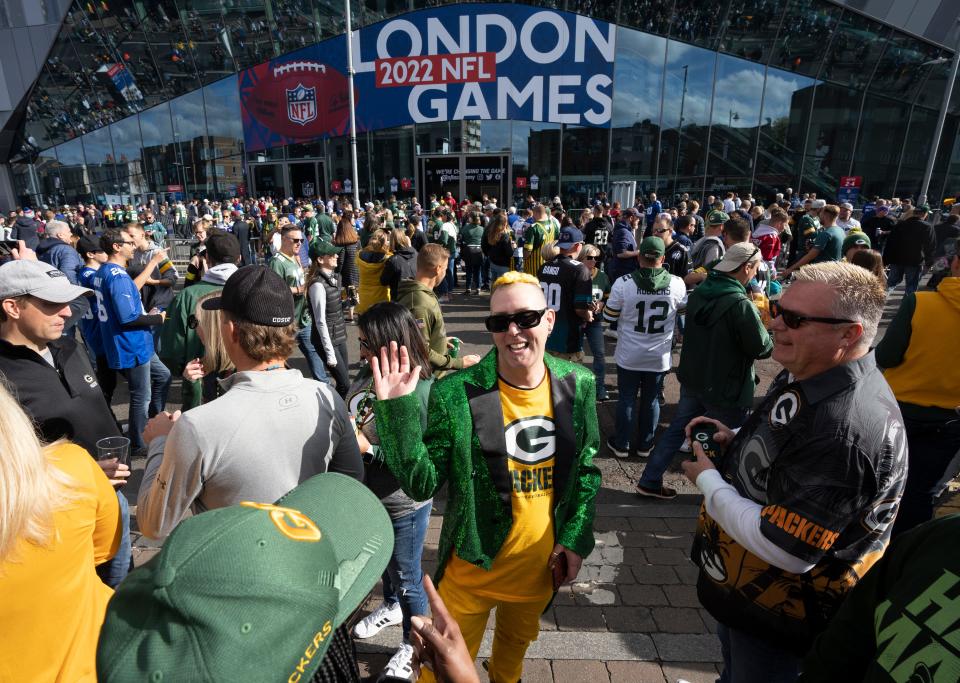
114	447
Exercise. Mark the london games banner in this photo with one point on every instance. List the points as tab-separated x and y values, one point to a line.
469	61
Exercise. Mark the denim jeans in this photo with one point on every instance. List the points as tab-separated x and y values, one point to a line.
314	361
404	571
496	271
688	407
160	379
594	334
114	570
138	383
748	659
933	449
647	413
485	273
451	280
910	273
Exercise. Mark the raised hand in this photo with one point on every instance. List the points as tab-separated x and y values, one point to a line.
392	376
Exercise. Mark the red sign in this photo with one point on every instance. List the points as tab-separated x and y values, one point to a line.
336	186
474	67
521	182
406	184
174	188
851	181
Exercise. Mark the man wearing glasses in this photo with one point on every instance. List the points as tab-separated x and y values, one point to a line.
799	503
723	336
515	436
286	264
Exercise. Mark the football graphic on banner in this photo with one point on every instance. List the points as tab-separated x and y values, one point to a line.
299	100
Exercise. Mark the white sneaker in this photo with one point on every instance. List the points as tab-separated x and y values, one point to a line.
401	664
378	620
685	447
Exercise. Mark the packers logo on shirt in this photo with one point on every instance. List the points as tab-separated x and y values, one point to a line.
531	440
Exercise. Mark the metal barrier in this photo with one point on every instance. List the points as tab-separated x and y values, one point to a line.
178	251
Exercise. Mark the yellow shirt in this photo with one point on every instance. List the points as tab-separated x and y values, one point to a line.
52	603
519	572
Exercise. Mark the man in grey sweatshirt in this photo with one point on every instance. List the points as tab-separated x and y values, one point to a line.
270	431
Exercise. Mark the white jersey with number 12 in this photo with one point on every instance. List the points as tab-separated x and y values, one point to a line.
645	323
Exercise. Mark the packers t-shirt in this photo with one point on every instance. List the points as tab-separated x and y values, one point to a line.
519	571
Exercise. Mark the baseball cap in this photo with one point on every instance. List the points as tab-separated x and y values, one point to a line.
818	203
255	294
322	248
569	237
38	279
222	247
277	579
923	208
717	218
630	212
737	255
652	247
855	239
88	245
847	205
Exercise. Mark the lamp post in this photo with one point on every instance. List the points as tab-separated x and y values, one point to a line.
941	120
683	100
353	112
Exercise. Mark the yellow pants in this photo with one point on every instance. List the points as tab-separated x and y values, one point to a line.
517	625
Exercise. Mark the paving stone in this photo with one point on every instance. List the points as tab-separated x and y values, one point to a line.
648	508
611	524
688	573
612	554
693	672
681	525
666	556
595	558
622	574
635	672
708	621
627	619
548	620
648	524
608	538
580	670
372	665
535	671
653	574
598	596
634	556
639	539
564	596
678	620
687	647
682	596
580	618
642	594
673	539
603	647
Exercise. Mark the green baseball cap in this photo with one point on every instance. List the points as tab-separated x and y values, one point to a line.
717	217
320	247
855	239
923	208
250	592
652	247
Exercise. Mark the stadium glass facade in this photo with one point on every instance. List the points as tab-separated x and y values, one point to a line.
140	100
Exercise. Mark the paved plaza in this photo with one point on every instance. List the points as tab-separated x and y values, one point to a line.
633	615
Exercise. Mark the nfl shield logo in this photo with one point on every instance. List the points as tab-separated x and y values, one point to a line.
302	104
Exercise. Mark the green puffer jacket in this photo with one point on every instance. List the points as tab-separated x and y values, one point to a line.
464	443
723	337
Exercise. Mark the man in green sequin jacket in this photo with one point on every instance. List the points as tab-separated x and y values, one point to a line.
515	435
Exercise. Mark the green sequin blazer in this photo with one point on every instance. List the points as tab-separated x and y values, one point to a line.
464	443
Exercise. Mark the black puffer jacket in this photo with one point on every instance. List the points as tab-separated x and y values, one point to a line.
401	266
26	229
911	243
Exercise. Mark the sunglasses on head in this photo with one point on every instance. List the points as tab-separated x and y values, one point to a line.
794	320
500	322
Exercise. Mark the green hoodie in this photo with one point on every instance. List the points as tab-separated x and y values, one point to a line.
723	337
651	279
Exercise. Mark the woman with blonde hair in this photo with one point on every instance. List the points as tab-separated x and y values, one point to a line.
59	518
215	364
370	263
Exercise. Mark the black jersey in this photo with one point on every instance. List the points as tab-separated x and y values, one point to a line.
567	286
676	259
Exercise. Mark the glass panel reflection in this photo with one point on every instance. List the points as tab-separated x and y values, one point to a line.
98	152
698	22
903	66
224	126
190	142
646	15
584	164
786	107
638	82
250	33
163	29
833	129
536	157
855	47
736	120
207	39
751	28
160	157
807	26
882	136
72	170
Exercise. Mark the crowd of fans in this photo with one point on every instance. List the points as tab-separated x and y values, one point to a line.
265	480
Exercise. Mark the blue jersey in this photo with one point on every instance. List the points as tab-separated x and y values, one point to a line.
89	323
118	303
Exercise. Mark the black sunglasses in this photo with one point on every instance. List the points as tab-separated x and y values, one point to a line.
500	322
192	321
794	320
